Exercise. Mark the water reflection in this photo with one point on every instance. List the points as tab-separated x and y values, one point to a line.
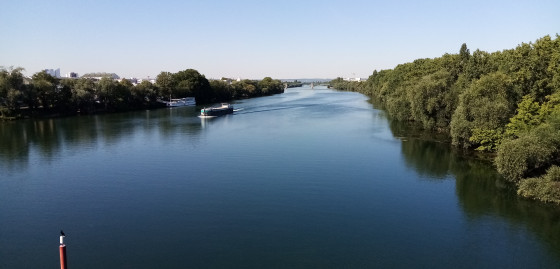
276	170
480	190
48	137
14	147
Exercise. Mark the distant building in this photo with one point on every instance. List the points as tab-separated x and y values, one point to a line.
134	81
72	75
151	80
227	80
53	72
100	75
353	79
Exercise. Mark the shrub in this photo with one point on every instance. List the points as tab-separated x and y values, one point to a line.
531	151
545	188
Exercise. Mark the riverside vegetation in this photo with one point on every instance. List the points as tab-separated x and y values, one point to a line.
506	103
45	95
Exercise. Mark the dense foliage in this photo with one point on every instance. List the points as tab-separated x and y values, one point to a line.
44	95
506	102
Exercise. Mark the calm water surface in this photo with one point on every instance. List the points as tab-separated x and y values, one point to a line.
304	179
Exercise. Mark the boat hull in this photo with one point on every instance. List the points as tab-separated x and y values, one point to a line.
217	111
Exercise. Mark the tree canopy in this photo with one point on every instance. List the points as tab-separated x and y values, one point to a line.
43	94
505	102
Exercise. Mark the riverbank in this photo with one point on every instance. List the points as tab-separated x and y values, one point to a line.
43	95
505	103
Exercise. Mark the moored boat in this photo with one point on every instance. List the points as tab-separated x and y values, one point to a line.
187	101
217	111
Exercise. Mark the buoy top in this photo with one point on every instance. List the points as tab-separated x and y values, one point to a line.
62	235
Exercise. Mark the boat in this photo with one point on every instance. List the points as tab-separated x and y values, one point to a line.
187	101
217	111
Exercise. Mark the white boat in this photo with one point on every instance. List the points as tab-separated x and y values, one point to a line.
187	101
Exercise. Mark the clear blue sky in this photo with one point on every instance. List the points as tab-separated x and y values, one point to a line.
254	39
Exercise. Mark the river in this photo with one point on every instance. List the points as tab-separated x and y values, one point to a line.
311	178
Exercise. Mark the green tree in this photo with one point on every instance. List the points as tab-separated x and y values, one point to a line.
191	83
222	90
106	91
483	111
545	188
46	87
166	83
530	153
122	96
246	88
479	64
83	95
534	142
269	86
433	101
143	94
64	102
464	54
12	90
527	117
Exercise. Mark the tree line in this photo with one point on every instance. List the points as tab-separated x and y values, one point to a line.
506	103
44	95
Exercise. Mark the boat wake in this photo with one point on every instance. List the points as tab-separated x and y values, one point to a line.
266	110
207	117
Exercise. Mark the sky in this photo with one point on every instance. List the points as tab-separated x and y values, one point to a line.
255	39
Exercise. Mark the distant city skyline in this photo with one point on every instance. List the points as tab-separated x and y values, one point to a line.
255	39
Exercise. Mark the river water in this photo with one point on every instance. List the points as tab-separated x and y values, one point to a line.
311	178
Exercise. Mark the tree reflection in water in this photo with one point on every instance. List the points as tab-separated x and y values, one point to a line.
480	190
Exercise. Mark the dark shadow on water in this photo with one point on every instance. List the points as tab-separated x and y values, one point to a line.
48	137
480	190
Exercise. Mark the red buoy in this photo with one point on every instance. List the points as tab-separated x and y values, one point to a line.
62	249
63	257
